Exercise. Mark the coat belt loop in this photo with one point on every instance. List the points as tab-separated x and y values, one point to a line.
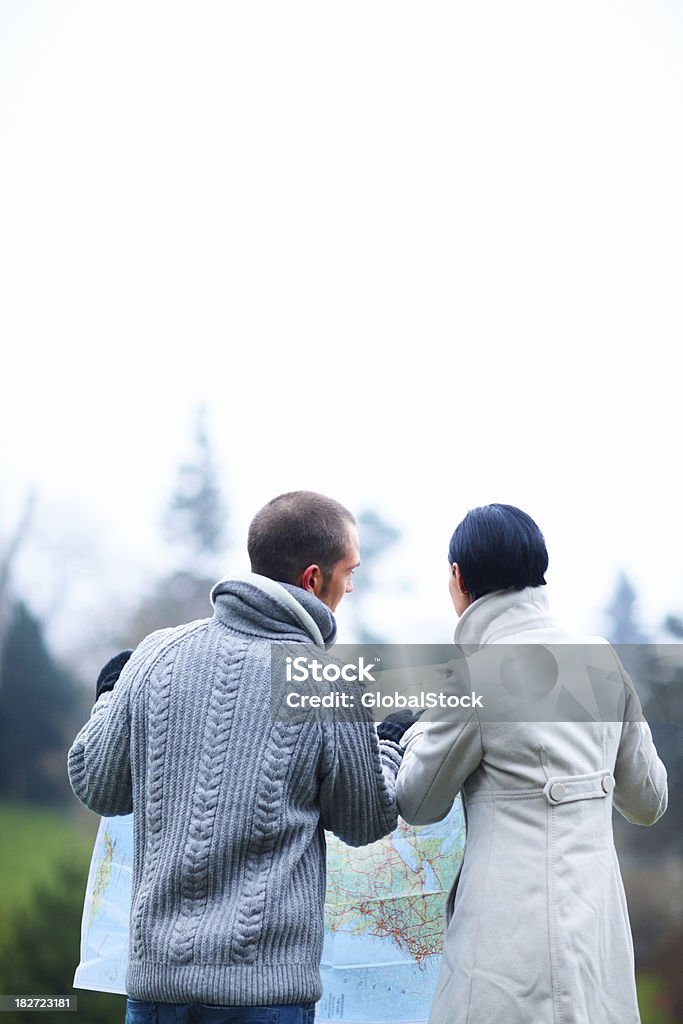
564	789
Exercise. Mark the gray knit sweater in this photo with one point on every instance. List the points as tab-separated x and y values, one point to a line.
229	806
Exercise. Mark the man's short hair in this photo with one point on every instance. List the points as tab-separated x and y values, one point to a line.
295	530
498	547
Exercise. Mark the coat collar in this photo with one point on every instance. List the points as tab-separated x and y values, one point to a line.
503	613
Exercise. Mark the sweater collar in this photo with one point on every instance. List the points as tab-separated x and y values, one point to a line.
262	607
503	613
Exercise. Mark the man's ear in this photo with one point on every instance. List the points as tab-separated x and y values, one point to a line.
312	579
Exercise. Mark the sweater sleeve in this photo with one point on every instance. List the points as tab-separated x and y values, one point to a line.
98	762
358	792
99	758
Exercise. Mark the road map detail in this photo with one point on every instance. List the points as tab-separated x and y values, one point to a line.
384	919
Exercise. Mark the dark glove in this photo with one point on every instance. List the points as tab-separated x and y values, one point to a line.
394	725
111	672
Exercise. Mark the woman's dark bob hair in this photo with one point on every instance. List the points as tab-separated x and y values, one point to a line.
498	547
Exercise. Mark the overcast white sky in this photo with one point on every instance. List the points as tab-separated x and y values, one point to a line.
417	256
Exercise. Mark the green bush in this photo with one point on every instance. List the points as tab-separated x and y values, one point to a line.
34	839
42	953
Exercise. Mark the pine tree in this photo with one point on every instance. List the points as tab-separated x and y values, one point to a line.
622	610
195	523
376	536
196	518
39	709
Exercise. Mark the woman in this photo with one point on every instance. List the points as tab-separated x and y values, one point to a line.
538	930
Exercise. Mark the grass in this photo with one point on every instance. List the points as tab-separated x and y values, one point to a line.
33	840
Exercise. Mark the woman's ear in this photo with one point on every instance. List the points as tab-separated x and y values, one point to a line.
459	582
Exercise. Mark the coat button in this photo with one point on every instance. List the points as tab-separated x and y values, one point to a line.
607	783
557	791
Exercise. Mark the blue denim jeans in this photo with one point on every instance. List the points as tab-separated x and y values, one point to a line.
141	1012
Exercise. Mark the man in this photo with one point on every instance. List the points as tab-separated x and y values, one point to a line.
229	804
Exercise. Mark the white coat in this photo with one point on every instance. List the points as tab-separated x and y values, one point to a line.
537	924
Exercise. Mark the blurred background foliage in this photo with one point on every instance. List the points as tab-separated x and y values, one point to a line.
47	836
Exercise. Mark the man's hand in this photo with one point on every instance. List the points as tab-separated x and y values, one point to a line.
394	725
111	672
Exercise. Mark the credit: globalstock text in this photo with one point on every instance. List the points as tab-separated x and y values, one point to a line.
304	669
397	701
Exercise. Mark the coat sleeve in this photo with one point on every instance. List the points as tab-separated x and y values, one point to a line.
439	755
640	790
358	791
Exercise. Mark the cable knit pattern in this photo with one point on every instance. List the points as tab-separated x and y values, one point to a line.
159	694
196	859
264	835
228	804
